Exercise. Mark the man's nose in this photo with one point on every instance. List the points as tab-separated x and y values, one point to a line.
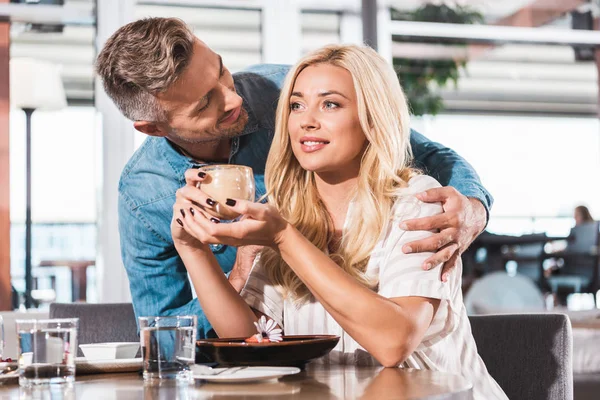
232	99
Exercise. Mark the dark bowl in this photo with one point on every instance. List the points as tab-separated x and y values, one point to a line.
293	351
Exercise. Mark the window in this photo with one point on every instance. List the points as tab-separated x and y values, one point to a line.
63	151
537	168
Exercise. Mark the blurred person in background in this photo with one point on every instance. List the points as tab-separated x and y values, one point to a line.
177	91
582	215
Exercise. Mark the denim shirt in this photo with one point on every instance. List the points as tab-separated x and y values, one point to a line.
157	277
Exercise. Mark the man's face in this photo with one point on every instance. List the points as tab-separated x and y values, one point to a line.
202	105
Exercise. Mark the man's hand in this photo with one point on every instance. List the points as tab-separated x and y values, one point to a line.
462	221
243	265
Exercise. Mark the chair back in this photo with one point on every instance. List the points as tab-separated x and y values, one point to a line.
99	323
529	355
498	292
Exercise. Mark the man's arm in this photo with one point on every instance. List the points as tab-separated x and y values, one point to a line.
465	201
449	169
158	279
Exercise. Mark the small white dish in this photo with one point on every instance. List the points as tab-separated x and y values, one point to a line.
109	351
241	374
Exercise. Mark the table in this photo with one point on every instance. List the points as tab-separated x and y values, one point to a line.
78	275
316	382
494	244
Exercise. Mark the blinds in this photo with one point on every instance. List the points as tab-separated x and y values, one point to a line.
506	79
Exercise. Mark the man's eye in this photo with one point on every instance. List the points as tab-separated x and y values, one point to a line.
204	107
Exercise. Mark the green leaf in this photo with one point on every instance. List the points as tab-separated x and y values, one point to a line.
416	76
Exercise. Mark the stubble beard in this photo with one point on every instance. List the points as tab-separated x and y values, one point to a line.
217	136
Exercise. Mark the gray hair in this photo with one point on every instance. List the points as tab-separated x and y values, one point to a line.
142	59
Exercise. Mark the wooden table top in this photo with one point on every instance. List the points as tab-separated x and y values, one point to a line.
316	382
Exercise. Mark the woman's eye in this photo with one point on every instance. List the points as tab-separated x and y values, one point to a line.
331	105
294	106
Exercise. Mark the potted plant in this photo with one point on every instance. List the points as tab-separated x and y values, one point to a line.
417	75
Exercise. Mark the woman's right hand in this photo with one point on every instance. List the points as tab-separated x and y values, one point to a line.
184	201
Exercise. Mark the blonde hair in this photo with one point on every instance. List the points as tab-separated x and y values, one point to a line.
384	118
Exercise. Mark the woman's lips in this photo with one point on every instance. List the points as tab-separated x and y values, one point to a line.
233	116
310	146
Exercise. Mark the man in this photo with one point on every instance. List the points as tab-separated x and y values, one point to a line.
179	93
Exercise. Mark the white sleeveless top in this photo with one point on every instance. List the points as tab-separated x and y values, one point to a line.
448	344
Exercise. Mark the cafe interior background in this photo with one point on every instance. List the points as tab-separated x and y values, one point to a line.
511	85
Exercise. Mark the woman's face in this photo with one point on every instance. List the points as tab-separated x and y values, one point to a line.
323	124
578	217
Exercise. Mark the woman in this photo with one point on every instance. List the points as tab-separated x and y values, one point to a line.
582	215
339	182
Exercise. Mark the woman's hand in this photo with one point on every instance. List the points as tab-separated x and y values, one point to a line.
187	197
261	225
181	238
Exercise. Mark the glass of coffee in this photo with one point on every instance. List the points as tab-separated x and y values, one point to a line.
47	351
227	181
168	347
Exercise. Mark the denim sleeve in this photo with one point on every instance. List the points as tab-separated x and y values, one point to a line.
158	279
449	169
276	73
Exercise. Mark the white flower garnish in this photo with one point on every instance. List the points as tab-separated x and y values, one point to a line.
267	330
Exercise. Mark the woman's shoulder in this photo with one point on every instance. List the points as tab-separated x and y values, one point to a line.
420	183
408	206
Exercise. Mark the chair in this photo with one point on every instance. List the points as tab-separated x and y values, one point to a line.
529	355
580	270
99	323
498	292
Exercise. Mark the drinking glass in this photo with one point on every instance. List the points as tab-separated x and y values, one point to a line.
227	181
168	346
1	338
47	350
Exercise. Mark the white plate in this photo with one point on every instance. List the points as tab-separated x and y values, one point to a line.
244	374
8	365
112	351
12	375
85	366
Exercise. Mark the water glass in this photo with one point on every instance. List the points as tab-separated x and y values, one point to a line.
1	338
47	351
168	346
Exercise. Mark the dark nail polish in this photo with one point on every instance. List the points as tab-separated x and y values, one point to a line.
201	174
230	202
210	202
179	222
192	211
216	221
182	213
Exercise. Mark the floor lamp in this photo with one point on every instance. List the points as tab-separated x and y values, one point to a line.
34	85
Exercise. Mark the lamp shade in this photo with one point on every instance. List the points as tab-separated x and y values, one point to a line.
36	84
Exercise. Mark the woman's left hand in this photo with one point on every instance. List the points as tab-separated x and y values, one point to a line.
261	225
